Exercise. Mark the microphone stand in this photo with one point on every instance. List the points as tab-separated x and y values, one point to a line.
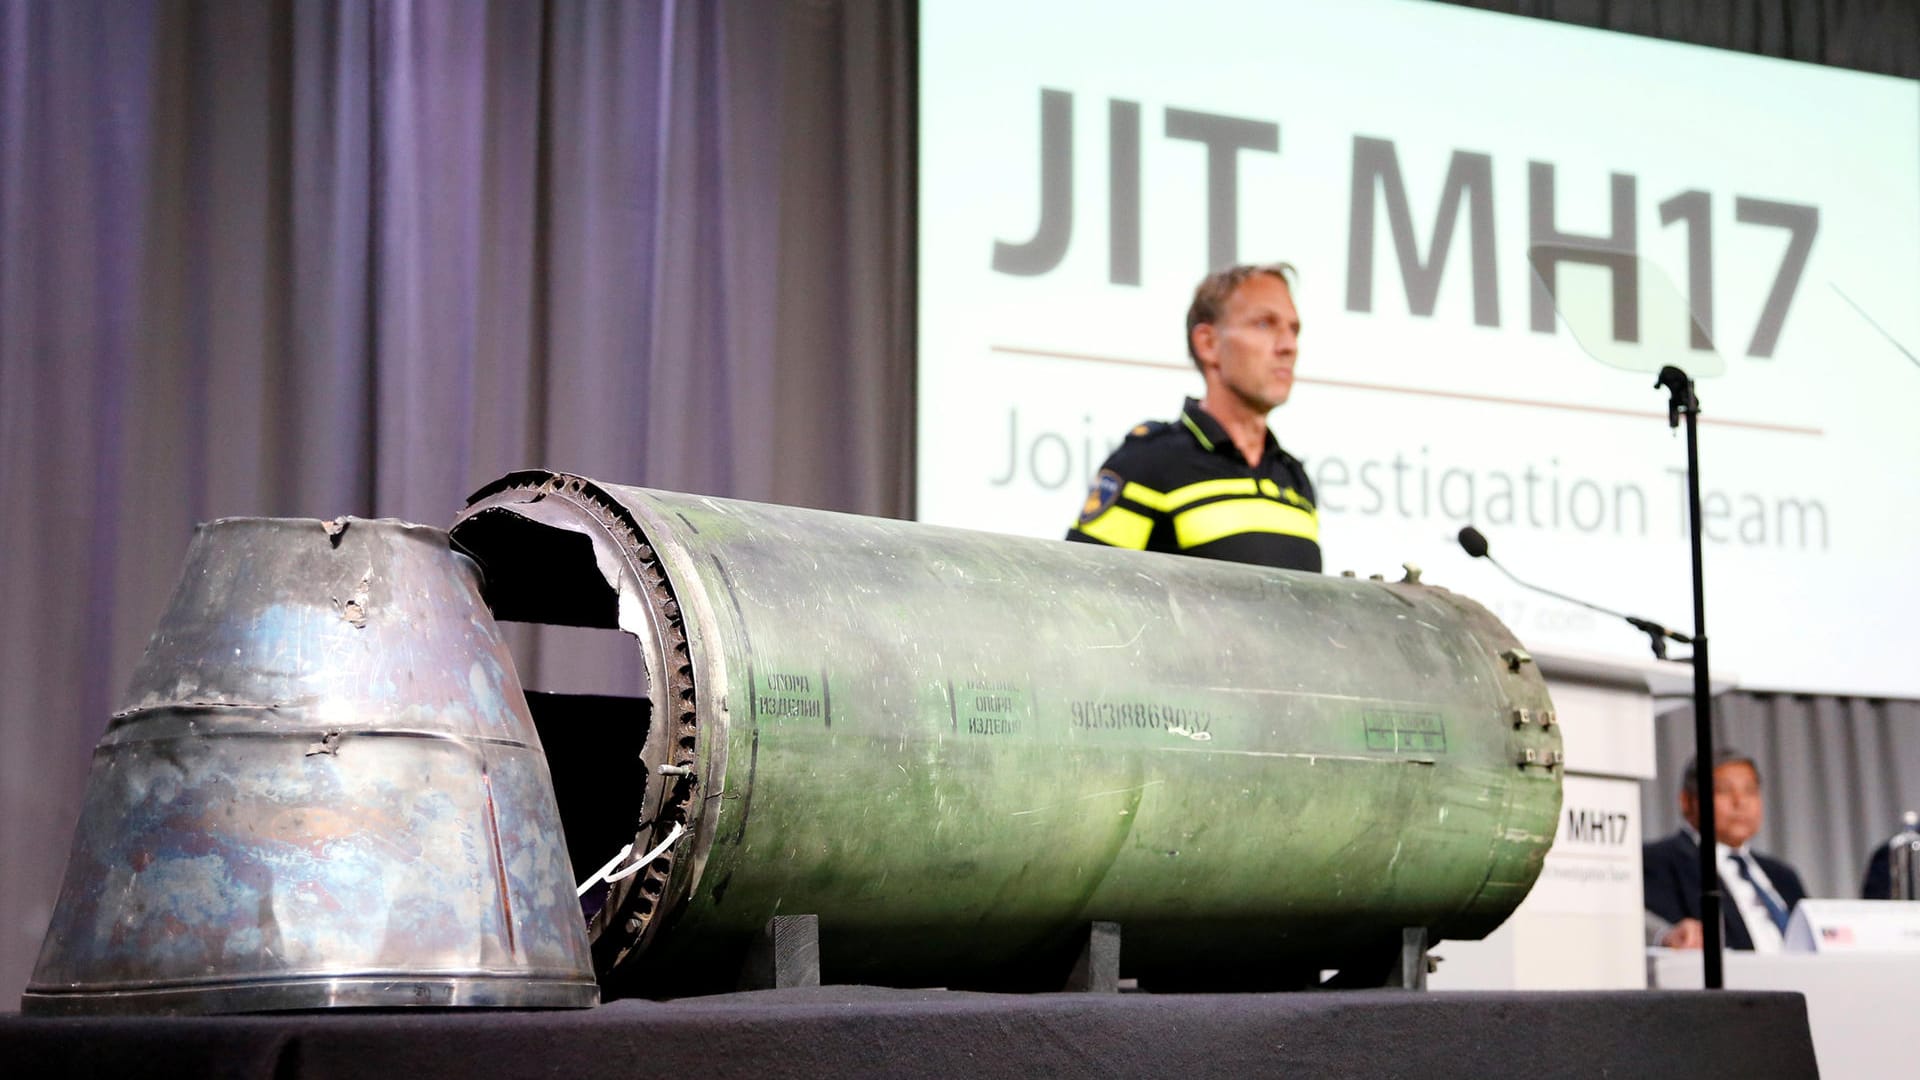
1657	635
1683	402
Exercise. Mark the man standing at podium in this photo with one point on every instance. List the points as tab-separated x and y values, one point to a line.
1760	891
1215	483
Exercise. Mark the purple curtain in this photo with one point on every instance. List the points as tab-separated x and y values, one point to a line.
312	259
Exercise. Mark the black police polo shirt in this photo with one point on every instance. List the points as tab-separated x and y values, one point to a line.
1183	487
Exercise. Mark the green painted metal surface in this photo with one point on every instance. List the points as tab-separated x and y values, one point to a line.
956	747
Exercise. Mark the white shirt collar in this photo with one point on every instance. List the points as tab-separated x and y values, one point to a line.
1743	895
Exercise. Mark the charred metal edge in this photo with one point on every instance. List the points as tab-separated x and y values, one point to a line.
622	927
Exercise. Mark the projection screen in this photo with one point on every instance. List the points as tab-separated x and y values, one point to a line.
1083	165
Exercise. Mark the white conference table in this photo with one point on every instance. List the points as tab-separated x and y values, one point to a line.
1862	1007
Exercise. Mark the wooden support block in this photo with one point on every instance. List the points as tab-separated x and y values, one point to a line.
786	953
1411	974
1097	969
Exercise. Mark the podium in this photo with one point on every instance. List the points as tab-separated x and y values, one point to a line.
1583	926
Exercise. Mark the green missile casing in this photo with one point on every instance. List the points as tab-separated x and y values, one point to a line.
956	748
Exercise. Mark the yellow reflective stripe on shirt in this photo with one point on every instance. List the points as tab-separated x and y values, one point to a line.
1167	502
1120	527
1205	524
1207	489
1205	442
1145	496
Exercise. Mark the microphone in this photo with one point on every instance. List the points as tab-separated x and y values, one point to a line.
1474	543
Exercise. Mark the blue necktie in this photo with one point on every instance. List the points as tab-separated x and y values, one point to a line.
1774	911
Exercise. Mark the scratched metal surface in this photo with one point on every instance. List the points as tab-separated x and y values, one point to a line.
954	747
324	788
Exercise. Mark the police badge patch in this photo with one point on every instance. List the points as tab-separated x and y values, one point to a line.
1104	493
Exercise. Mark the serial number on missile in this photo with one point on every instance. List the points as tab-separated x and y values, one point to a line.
1196	724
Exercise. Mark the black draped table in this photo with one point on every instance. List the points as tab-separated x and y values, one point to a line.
855	1031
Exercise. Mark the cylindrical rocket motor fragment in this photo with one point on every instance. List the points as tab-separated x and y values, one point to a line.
955	748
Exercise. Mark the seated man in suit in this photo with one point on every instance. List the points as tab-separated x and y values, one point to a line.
1878	884
1759	892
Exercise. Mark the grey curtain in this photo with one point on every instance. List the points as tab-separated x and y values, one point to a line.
1836	773
361	257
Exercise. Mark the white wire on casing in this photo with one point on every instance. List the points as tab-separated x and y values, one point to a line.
607	872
